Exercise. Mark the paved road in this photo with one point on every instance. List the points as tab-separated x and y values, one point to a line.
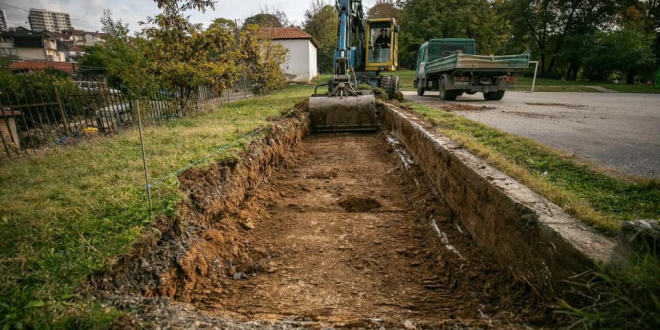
621	131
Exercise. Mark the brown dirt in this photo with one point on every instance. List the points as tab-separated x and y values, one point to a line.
446	106
565	105
342	234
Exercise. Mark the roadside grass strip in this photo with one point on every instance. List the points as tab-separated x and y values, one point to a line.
585	191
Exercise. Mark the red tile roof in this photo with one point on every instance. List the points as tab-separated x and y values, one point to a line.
35	66
283	33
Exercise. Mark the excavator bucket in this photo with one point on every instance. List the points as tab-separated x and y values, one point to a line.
347	113
342	113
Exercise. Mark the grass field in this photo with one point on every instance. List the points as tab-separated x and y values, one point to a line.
582	190
70	212
524	84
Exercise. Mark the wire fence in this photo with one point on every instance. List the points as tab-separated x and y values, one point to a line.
38	112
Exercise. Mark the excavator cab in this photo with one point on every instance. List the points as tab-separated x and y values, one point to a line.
382	36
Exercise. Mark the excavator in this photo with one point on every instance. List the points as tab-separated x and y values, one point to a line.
365	48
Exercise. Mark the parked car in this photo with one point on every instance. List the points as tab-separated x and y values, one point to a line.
96	87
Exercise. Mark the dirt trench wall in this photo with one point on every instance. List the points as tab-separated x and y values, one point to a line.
208	229
522	230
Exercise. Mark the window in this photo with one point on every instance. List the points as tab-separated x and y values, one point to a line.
380	41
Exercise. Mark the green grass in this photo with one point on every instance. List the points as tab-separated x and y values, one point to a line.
70	212
407	77
582	190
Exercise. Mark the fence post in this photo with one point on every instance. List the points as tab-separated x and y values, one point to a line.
144	155
59	105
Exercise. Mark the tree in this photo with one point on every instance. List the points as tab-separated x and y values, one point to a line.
422	20
268	17
184	56
263	60
385	9
121	58
625	51
548	24
321	22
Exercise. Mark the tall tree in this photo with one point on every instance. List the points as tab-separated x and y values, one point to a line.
185	56
321	22
385	9
422	20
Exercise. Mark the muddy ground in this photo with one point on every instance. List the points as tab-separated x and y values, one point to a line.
343	234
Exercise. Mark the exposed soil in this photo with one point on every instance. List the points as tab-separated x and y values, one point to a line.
549	104
341	231
447	106
345	234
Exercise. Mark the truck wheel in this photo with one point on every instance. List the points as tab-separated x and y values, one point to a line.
420	88
494	96
446	95
394	87
385	82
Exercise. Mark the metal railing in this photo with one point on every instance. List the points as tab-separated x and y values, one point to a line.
57	111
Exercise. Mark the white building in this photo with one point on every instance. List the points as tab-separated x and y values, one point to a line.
301	64
41	19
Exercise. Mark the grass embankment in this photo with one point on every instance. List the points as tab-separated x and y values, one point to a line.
582	190
524	84
68	213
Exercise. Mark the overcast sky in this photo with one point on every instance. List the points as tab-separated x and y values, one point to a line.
86	14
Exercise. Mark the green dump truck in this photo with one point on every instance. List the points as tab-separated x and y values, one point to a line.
452	67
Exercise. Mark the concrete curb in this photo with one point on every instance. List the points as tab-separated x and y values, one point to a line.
542	244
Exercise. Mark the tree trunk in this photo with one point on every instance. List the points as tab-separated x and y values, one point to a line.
630	78
542	65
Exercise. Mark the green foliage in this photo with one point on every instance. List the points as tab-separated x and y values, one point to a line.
619	51
321	23
426	19
611	298
263	60
184	56
263	20
385	9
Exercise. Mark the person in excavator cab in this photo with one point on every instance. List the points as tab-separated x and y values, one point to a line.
383	40
382	47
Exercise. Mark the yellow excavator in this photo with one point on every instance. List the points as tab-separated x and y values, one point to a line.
365	48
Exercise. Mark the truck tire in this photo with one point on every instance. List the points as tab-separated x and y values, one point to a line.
385	82
395	84
446	95
420	88
494	96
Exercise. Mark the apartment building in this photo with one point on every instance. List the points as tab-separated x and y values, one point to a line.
3	20
41	19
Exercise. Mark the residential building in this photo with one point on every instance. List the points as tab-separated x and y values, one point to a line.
41	19
28	45
301	64
3	20
81	38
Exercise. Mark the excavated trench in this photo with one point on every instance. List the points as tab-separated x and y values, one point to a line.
334	230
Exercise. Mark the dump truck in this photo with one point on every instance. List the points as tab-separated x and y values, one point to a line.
451	66
365	48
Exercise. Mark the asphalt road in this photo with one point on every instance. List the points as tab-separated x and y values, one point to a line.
620	131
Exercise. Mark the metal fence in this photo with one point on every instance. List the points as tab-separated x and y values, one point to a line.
36	116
